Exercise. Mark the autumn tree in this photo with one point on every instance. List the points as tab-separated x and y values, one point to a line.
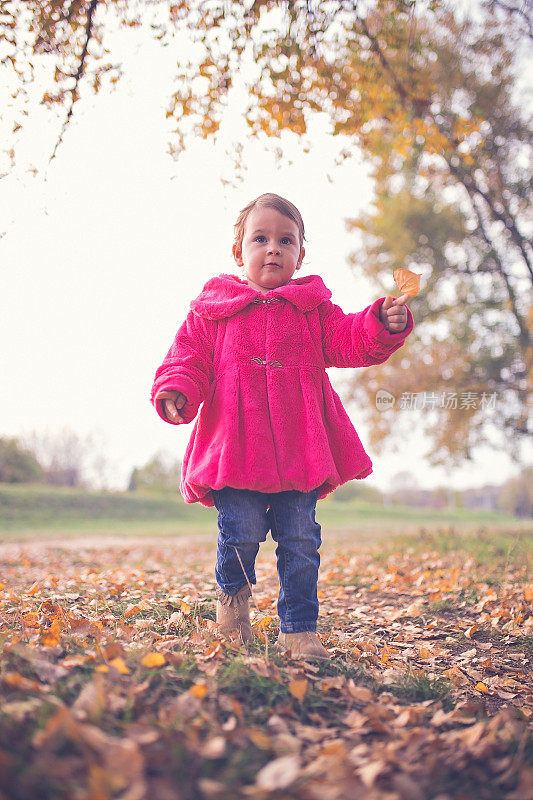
429	96
294	58
460	219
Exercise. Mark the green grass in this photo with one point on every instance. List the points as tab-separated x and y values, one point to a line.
527	643
414	687
498	550
31	511
28	510
241	682
22	505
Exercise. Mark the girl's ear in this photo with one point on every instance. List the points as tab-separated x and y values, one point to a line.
301	257
237	254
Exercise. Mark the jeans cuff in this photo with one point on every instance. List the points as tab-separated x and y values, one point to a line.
297	627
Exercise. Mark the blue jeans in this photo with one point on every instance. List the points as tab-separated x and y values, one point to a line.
244	520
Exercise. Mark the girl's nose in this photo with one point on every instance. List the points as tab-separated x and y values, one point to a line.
273	248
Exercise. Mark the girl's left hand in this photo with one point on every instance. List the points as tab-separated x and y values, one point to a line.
393	313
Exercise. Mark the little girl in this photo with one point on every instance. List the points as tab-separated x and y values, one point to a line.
272	436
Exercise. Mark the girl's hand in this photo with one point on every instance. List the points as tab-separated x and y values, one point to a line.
173	402
393	313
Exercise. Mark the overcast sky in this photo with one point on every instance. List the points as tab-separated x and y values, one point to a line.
103	250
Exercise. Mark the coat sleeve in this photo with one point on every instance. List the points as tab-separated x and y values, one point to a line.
360	339
187	367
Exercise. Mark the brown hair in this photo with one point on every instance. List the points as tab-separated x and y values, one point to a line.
269	200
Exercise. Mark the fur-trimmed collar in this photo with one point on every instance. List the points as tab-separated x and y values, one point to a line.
225	295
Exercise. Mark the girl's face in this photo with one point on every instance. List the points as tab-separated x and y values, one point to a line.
270	251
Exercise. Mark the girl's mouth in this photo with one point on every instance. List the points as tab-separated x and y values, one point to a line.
272	264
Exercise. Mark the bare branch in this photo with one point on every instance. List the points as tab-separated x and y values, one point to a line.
520	10
79	74
473	189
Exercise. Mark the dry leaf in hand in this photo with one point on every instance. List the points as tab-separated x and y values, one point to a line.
408	282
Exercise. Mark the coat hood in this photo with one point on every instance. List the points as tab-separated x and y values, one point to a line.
225	295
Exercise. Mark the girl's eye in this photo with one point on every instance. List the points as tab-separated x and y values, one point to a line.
260	238
286	240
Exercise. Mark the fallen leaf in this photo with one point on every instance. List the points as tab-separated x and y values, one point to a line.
279	774
298	689
120	665
370	772
18	681
153	660
214	748
185	608
359	693
262	624
199	690
260	739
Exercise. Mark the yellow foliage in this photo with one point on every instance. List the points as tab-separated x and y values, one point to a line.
153	660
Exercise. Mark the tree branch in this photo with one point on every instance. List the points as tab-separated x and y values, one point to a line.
467	180
473	189
513	9
524	333
374	43
79	74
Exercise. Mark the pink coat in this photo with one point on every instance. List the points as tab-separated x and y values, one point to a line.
270	419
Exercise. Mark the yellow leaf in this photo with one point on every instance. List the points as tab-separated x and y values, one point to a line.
260	739
298	688
470	631
153	660
18	681
131	610
261	624
120	665
528	592
199	690
481	687
50	637
424	653
34	589
408	282
185	608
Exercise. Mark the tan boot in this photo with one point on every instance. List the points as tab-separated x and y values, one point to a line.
305	644
233	613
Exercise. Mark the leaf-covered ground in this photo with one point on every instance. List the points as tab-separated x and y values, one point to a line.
115	682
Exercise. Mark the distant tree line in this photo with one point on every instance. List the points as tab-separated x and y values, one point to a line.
66	459
59	459
60	462
514	496
160	474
